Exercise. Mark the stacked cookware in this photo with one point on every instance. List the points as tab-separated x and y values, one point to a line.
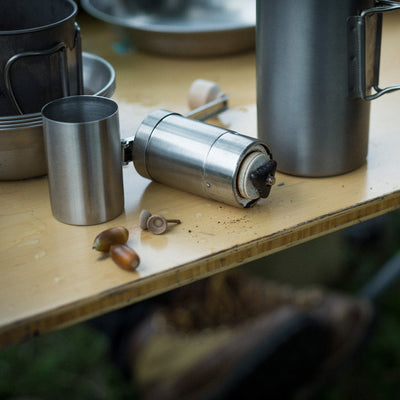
40	60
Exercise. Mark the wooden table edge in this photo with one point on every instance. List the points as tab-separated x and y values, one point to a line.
141	289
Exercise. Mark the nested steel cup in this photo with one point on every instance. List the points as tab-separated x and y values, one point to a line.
84	160
317	70
40	56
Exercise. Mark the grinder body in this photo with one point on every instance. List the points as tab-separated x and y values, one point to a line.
202	159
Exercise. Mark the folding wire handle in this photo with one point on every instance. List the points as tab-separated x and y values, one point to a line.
369	71
60	47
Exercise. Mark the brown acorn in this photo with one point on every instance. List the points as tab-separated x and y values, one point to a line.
124	256
115	235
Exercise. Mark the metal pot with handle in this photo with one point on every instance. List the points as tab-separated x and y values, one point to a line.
40	58
317	70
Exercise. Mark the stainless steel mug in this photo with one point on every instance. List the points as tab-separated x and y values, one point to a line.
40	57
317	70
83	151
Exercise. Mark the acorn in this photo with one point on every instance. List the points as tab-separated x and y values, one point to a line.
124	256
115	235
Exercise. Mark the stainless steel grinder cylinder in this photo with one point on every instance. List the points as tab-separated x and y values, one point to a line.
203	159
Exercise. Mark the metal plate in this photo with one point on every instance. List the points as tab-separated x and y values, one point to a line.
181	27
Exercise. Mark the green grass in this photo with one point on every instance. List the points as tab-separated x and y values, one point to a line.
69	364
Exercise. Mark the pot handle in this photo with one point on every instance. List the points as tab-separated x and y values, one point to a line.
368	28
63	65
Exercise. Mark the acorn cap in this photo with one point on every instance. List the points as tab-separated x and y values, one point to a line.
157	224
143	217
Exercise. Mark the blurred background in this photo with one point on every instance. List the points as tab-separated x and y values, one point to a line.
84	361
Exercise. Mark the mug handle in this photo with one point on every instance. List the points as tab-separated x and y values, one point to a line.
60	47
369	73
79	61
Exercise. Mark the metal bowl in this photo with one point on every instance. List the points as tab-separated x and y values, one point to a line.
98	75
22	122
21	118
181	27
22	153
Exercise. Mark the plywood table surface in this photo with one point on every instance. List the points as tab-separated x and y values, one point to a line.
51	277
